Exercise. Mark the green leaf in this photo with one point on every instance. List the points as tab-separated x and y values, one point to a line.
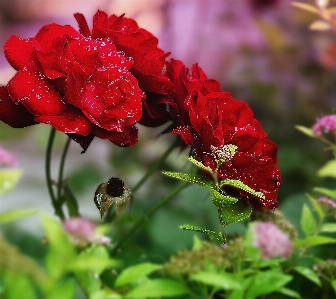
289	293
197	243
328	228
219	199
65	289
199	164
240	185
234	212
267	282
328	170
135	272
8	179
70	201
158	288
308	273
17	286
105	294
308	223
221	280
192	178
219	236
333	284
314	241
14	215
327	192
316	206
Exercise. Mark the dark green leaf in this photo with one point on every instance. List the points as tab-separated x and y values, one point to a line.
234	212
308	273
219	236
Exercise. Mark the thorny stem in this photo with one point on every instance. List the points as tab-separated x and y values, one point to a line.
55	203
148	214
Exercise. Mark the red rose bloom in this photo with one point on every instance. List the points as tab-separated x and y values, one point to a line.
140	46
84	84
212	120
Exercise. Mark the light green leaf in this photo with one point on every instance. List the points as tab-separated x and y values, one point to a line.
65	289
234	212
219	199
306	131
221	280
199	164
14	215
314	241
333	284
289	293
308	273
328	228
17	285
267	282
135	272
105	294
8	179
158	288
326	192
197	243
316	206
308	223
328	170
192	178
240	185
306	7
219	236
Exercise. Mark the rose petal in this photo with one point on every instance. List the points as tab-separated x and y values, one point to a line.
84	141
71	121
20	52
14	115
82	24
126	138
33	90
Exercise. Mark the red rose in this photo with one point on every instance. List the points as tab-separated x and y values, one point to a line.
141	47
85	84
210	120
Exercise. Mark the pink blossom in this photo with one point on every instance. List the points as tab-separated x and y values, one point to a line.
82	232
325	124
328	203
7	159
271	240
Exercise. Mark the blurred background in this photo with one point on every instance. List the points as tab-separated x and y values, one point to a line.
260	50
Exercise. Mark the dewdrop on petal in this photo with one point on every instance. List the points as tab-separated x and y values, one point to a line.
108	193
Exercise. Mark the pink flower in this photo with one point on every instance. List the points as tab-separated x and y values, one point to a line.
325	124
82	232
7	159
271	240
327	203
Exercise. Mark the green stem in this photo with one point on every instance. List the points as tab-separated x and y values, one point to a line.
60	184
154	167
148	214
57	207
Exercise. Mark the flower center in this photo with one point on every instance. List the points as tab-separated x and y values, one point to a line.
223	154
115	187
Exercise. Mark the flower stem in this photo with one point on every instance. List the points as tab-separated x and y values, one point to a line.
148	214
56	205
154	167
60	184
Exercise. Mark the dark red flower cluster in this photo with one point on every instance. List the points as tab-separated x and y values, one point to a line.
207	120
84	84
101	82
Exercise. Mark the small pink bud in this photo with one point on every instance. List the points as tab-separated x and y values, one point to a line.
325	124
7	159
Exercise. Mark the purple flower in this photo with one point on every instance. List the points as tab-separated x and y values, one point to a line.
7	159
82	232
325	124
271	240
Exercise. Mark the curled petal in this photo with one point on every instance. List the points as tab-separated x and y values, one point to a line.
84	141
71	121
33	90
14	115
82	24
